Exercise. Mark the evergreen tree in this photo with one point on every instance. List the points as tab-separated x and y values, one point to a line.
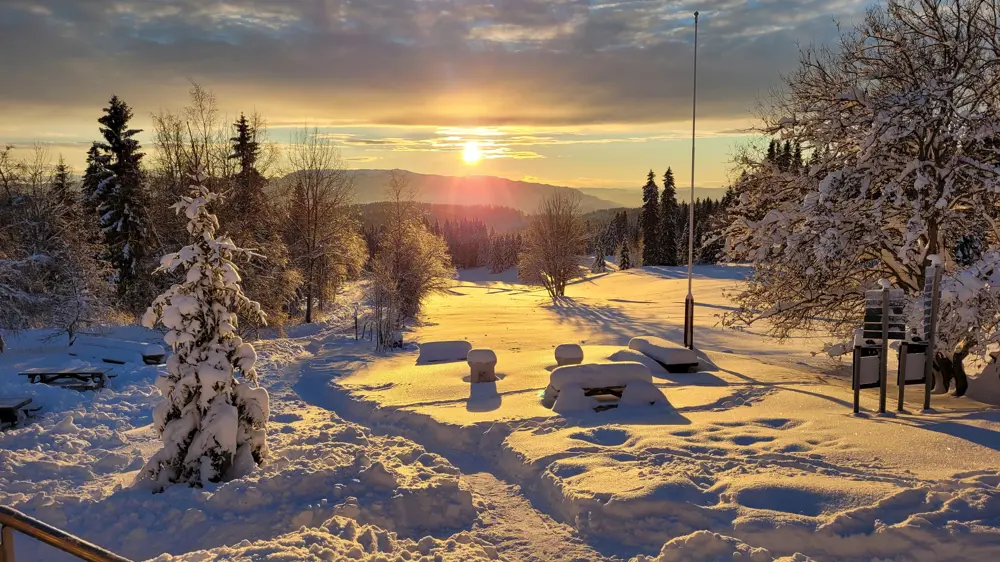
772	152
668	220
97	171
797	157
62	189
624	261
649	221
121	202
600	265
213	426
247	210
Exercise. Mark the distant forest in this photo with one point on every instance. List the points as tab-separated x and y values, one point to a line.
489	235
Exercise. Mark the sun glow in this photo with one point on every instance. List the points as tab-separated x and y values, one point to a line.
472	154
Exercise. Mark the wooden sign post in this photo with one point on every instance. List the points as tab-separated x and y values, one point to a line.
932	301
884	320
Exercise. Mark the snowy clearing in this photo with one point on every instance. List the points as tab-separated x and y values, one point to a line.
384	457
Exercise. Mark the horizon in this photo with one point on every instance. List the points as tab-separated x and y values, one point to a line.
576	94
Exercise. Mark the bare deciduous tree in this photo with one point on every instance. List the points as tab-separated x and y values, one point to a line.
554	242
322	235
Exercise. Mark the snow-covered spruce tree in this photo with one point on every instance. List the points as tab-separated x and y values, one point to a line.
121	202
649	222
668	220
624	261
600	265
213	426
902	119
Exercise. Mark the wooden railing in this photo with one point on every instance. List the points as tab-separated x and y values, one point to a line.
13	520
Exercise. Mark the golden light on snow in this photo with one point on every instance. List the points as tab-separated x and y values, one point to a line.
472	154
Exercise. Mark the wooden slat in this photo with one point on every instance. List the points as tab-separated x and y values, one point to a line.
14	403
66	371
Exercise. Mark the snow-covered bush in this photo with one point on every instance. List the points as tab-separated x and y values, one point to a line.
213	426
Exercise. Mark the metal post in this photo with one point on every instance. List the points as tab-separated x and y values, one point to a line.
904	349
931	336
884	359
856	379
689	301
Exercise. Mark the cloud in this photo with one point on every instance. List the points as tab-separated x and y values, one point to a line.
444	63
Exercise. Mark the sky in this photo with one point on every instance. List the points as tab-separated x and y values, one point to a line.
585	93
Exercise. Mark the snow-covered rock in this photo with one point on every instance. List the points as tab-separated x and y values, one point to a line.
441	351
482	365
569	354
671	355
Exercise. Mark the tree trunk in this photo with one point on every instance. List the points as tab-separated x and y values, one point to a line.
309	295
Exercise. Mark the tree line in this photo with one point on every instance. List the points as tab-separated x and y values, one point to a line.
78	252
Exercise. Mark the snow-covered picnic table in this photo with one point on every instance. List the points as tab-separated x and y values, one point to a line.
12	410
77	378
118	351
573	387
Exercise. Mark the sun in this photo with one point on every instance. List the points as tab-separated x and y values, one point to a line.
472	154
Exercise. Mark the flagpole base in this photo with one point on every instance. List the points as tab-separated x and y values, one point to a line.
689	322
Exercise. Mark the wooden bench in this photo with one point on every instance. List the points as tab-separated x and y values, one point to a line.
80	378
13	410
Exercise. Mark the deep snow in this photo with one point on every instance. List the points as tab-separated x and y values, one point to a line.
377	457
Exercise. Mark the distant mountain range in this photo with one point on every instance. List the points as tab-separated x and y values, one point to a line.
470	190
491	190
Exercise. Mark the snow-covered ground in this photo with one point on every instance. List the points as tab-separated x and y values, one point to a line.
756	457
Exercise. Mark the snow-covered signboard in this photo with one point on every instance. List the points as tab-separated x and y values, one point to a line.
873	314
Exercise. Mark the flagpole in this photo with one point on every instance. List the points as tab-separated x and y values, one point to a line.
689	301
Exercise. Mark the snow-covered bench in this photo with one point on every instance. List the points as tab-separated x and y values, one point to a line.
117	351
569	354
673	357
442	351
573	387
482	365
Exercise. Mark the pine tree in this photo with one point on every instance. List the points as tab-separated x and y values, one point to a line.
624	261
797	157
649	221
772	152
212	425
668	220
600	264
121	202
97	171
62	188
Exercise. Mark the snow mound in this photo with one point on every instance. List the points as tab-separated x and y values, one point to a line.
569	354
340	538
705	546
665	352
986	386
441	351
